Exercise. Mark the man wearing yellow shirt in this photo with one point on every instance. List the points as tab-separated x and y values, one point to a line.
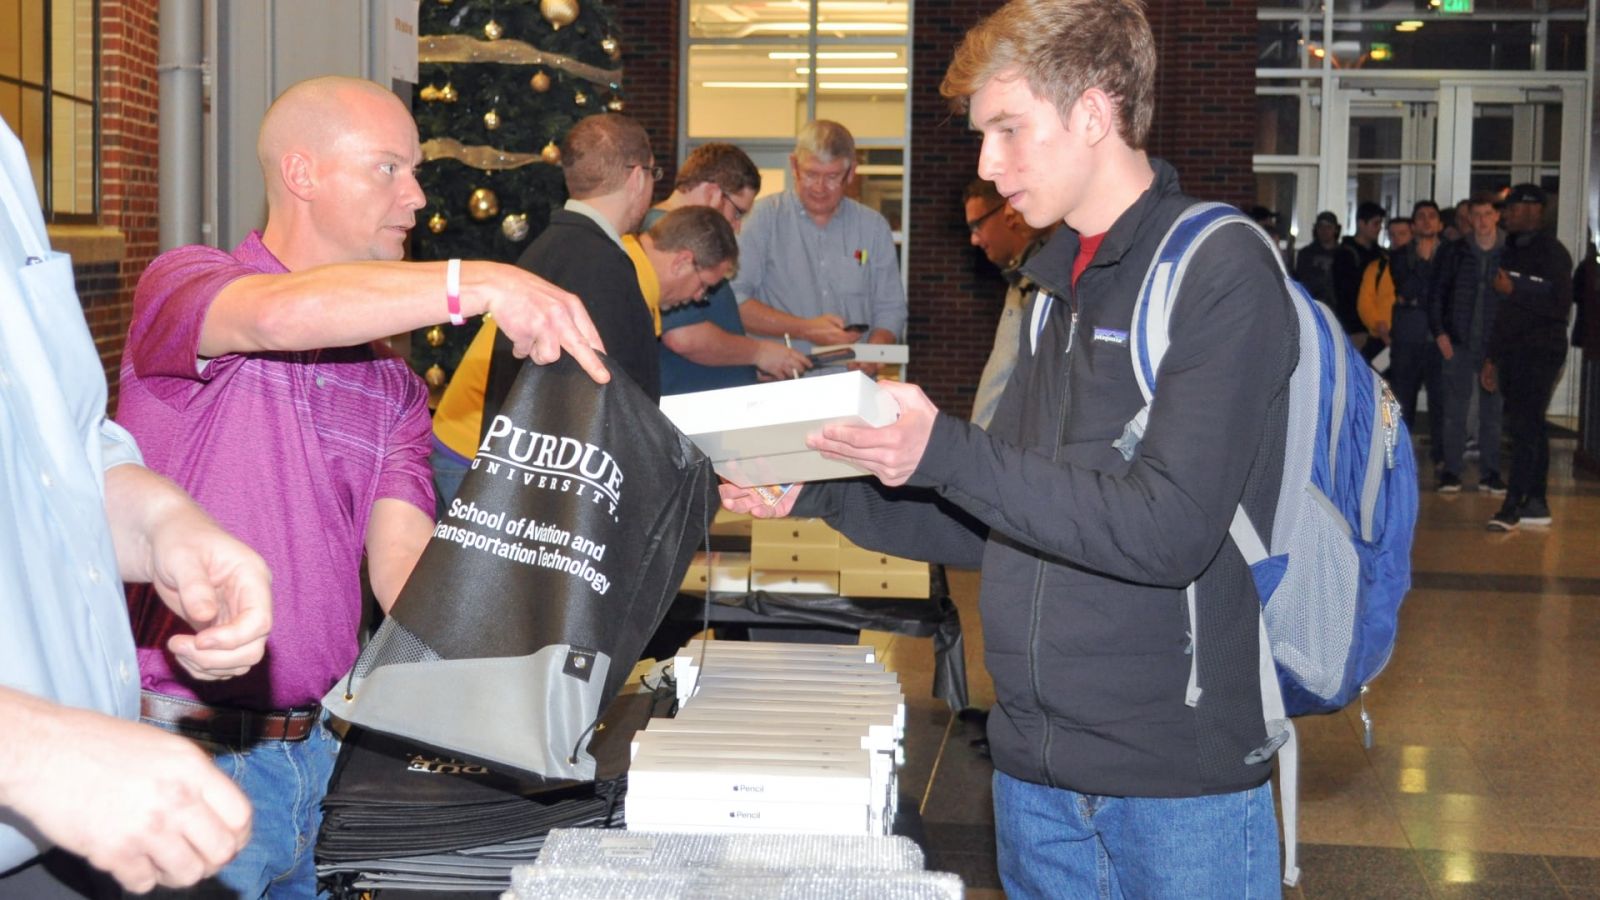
685	253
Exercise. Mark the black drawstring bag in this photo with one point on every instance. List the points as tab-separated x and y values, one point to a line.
545	577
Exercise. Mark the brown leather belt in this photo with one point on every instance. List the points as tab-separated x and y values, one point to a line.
226	725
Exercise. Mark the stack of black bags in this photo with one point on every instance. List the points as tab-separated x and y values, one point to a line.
401	816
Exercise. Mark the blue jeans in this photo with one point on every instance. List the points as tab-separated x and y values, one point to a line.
285	781
1053	842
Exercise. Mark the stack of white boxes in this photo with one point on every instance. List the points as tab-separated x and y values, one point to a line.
793	738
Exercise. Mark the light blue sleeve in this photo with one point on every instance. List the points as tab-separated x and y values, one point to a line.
117	446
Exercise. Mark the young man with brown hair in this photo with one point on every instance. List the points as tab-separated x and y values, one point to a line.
1120	623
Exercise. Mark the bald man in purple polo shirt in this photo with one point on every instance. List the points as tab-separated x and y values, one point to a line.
252	379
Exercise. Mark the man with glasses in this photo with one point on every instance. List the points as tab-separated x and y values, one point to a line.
610	173
816	263
684	255
1007	240
703	344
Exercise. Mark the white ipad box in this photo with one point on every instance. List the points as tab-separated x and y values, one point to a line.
700	815
756	434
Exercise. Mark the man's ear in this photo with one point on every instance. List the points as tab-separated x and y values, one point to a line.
298	178
1098	114
682	262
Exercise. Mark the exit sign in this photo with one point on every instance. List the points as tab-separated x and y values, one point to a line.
1456	7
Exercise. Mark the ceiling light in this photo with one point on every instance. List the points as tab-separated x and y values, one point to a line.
834	54
862	85
858	27
759	85
852	70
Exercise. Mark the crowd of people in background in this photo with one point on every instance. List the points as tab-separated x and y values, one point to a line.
1473	309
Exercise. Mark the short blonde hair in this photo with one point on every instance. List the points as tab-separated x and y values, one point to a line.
1062	48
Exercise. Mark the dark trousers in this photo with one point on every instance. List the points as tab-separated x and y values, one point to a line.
1527	380
1414	366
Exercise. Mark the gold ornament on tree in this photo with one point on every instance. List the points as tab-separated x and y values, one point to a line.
446	2
610	46
435	376
437	222
483	204
446	94
491	120
559	13
551	153
435	336
540	82
515	226
580	99
492	30
614	104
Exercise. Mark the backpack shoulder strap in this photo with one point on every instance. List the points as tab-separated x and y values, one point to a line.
1149	334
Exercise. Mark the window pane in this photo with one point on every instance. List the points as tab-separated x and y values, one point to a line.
1279	45
753	19
32	39
861	18
72	158
1439	44
10	38
757	19
62	71
747	91
1566	46
862	87
1278	124
881	181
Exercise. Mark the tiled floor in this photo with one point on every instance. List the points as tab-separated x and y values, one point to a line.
1484	780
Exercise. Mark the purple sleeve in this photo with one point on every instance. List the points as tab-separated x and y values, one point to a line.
169	308
406	474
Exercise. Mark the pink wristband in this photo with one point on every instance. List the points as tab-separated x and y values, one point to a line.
452	291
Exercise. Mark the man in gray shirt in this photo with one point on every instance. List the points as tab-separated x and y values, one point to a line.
813	262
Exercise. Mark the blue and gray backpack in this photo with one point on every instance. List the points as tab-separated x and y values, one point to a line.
1332	573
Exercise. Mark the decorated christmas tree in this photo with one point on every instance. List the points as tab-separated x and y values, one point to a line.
499	84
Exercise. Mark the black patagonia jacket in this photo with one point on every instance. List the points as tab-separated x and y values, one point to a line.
1086	556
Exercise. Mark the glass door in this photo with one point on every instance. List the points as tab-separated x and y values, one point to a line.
1495	135
1390	152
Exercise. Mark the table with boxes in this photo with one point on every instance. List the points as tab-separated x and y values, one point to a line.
761	573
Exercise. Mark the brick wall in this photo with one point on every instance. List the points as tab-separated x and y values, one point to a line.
648	30
130	138
954	293
1205	94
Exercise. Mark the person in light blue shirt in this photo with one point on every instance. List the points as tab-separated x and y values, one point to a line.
813	262
78	515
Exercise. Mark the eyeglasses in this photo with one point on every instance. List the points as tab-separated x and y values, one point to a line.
655	172
709	279
977	223
826	179
738	212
